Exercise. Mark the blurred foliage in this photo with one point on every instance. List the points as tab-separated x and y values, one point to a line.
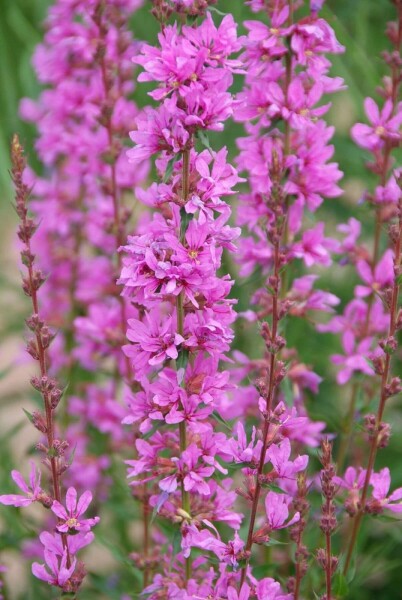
359	25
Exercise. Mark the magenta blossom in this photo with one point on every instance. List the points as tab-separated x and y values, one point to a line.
376	281
352	480
33	491
355	359
384	127
54	543
59	572
315	247
70	518
279	455
381	483
190	471
153	342
276	507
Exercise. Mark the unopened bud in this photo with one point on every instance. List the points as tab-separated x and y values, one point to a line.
38	421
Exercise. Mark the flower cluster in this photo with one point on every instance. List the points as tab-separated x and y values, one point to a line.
371	320
59	548
170	273
83	117
286	155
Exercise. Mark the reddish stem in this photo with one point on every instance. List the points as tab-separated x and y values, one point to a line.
383	397
269	401
22	196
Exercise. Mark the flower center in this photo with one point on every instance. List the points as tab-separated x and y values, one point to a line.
380	130
72	523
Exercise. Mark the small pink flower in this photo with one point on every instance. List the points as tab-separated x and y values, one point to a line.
279	456
71	517
244	593
315	247
59	573
376	281
384	127
355	359
276	507
381	483
352	480
33	492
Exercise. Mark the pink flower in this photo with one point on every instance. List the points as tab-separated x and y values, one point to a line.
298	106
239	449
59	572
219	42
33	491
381	483
384	127
351	230
153	341
382	277
244	593
269	589
314	247
391	191
70	516
304	298
192	473
158	130
355	359
76	542
277	511
285	469
352	480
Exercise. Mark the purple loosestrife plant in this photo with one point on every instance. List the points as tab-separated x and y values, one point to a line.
376	302
83	118
171	274
286	155
59	549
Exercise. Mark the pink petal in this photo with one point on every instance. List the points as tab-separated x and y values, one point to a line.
15	500
71	500
40	572
59	510
83	503
365	271
372	111
396	495
20	481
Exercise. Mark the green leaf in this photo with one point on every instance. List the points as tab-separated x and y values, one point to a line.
176	542
218	12
169	167
274	488
221	420
287	390
204	139
276	543
239	465
340	585
29	415
185	219
70	460
182	359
